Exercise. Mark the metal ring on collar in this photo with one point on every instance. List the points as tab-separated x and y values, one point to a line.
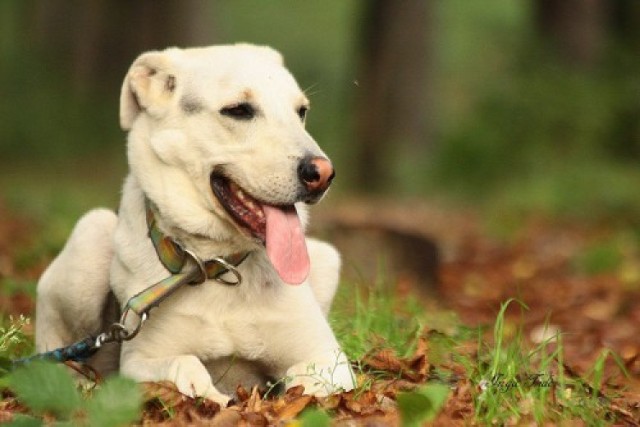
200	265
231	269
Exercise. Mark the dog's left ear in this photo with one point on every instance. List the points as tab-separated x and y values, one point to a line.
148	87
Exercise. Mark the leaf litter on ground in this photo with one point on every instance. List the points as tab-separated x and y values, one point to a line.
592	306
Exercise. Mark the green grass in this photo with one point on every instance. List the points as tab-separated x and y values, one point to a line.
13	341
515	382
518	383
365	319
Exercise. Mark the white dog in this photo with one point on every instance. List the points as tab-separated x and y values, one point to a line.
218	152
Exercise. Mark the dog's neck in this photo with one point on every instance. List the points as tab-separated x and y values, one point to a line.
171	253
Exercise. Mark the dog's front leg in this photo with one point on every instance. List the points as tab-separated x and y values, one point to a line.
308	349
327	373
186	371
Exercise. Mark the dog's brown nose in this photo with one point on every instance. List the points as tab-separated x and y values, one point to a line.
316	173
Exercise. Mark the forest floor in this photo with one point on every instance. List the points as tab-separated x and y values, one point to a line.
565	350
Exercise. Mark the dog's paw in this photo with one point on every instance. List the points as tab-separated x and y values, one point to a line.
192	379
327	374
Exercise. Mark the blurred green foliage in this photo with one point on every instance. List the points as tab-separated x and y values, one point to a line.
525	132
50	390
516	130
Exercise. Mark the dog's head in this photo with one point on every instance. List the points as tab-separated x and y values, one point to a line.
217	141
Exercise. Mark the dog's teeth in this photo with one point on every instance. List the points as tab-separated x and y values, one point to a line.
251	206
240	194
260	213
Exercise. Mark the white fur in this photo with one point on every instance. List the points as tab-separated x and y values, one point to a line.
208	338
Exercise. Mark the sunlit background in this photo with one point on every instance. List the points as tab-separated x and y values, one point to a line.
509	109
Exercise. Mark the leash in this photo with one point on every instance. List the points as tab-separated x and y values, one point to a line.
175	258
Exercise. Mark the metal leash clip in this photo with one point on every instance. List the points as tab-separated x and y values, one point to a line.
118	332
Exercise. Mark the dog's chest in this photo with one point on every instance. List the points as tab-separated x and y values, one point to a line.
224	321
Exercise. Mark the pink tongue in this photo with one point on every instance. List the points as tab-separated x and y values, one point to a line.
286	247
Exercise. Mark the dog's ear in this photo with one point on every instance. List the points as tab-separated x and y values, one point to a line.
148	86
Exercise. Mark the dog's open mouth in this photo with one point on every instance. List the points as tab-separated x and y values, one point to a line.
277	227
244	209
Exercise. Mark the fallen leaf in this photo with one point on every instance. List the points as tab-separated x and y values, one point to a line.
413	369
384	360
293	408
330	402
226	417
165	391
255	419
296	391
242	393
254	403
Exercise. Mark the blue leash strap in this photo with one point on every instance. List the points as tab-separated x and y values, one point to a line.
82	350
76	352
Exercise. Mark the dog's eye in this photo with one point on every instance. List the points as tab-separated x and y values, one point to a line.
302	112
242	111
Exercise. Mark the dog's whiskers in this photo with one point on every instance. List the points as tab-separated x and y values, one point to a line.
308	89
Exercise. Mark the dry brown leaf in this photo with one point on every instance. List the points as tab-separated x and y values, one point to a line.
277	405
254	403
293	408
386	404
206	408
417	368
330	402
384	360
226	417
361	403
165	391
242	393
353	405
414	369
255	419
367	398
187	410
296	391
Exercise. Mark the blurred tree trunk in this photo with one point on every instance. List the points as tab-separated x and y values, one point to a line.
575	29
100	38
391	107
578	30
624	25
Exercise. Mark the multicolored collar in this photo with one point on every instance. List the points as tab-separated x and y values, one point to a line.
173	256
